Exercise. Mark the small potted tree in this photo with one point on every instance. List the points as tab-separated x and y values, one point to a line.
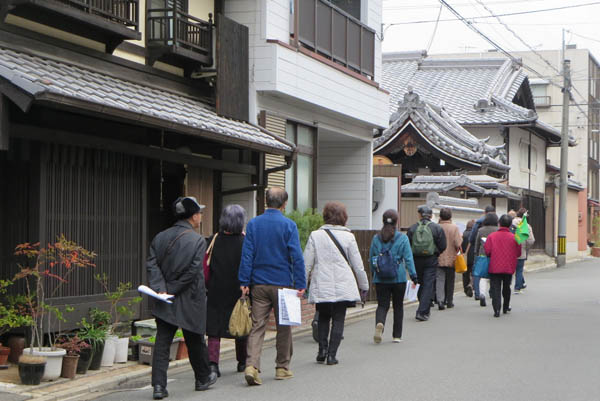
74	346
54	263
11	317
95	337
121	312
100	320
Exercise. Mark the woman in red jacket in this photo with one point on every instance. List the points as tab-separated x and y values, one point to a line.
503	250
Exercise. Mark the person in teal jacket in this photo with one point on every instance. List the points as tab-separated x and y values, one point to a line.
391	288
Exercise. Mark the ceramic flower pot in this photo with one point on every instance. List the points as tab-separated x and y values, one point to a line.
54	359
121	350
110	348
31	373
85	358
98	350
4	352
69	366
16	344
182	351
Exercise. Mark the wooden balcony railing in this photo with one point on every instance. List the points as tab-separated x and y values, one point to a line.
331	32
125	12
172	27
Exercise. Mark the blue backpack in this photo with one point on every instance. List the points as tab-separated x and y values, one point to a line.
386	265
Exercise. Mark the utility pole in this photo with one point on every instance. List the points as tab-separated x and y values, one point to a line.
561	258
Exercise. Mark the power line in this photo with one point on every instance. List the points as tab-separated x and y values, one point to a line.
423	6
500	15
584	37
435	27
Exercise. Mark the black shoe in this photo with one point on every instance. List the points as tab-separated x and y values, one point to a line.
441	306
160	392
477	297
202	385
432	304
450	305
523	286
469	292
331	360
241	367
482	301
422	318
322	355
214	367
506	310
497	313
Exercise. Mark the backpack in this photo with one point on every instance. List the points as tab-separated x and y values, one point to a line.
386	265
422	240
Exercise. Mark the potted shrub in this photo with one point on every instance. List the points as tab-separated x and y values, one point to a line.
11	316
133	352
31	368
94	336
74	346
54	263
121	312
146	349
100	320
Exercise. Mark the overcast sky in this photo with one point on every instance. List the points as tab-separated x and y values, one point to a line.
541	30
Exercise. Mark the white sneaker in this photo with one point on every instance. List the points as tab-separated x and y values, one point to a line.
378	333
397	340
518	292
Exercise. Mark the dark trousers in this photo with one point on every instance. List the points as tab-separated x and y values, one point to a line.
425	267
197	351
466	277
444	283
500	284
334	314
395	293
214	349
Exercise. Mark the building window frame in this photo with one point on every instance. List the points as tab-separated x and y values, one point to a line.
296	133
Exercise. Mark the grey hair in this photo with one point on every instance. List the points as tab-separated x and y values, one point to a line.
233	219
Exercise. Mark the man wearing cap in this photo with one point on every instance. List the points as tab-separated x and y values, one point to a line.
426	265
175	267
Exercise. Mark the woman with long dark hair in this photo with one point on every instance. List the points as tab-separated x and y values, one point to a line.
391	257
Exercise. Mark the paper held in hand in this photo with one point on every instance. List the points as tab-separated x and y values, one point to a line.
161	297
290	313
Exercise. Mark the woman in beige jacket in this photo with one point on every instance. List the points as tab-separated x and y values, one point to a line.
445	274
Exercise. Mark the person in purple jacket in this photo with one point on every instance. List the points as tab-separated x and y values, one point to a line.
271	259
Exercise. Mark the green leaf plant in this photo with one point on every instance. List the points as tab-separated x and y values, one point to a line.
121	308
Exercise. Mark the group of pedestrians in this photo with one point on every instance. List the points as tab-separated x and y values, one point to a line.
267	256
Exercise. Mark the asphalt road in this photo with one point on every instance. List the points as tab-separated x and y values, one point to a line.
547	348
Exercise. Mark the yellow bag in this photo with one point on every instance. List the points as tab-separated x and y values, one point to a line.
240	321
460	266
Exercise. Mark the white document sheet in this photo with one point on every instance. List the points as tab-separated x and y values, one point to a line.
411	292
290	313
161	297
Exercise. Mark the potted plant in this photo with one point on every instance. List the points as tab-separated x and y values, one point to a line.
94	336
133	351
47	267
182	351
74	346
121	312
11	316
31	368
100	320
146	349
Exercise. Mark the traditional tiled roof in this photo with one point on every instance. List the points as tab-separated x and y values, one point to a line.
473	91
481	186
443	133
51	80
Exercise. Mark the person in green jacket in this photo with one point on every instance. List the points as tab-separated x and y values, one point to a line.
391	288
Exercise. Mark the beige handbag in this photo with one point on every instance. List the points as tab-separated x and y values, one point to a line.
240	321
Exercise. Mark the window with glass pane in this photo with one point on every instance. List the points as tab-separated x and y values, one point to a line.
299	179
352	7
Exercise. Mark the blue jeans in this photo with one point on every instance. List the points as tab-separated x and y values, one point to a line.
476	285
519	279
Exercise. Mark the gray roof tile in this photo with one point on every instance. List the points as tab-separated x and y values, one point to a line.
64	79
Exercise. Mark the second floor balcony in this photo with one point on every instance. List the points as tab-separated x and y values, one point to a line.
335	34
177	38
106	21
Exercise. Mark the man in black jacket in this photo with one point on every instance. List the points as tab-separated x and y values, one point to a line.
174	267
426	265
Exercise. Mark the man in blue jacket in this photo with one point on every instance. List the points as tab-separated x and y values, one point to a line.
271	259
